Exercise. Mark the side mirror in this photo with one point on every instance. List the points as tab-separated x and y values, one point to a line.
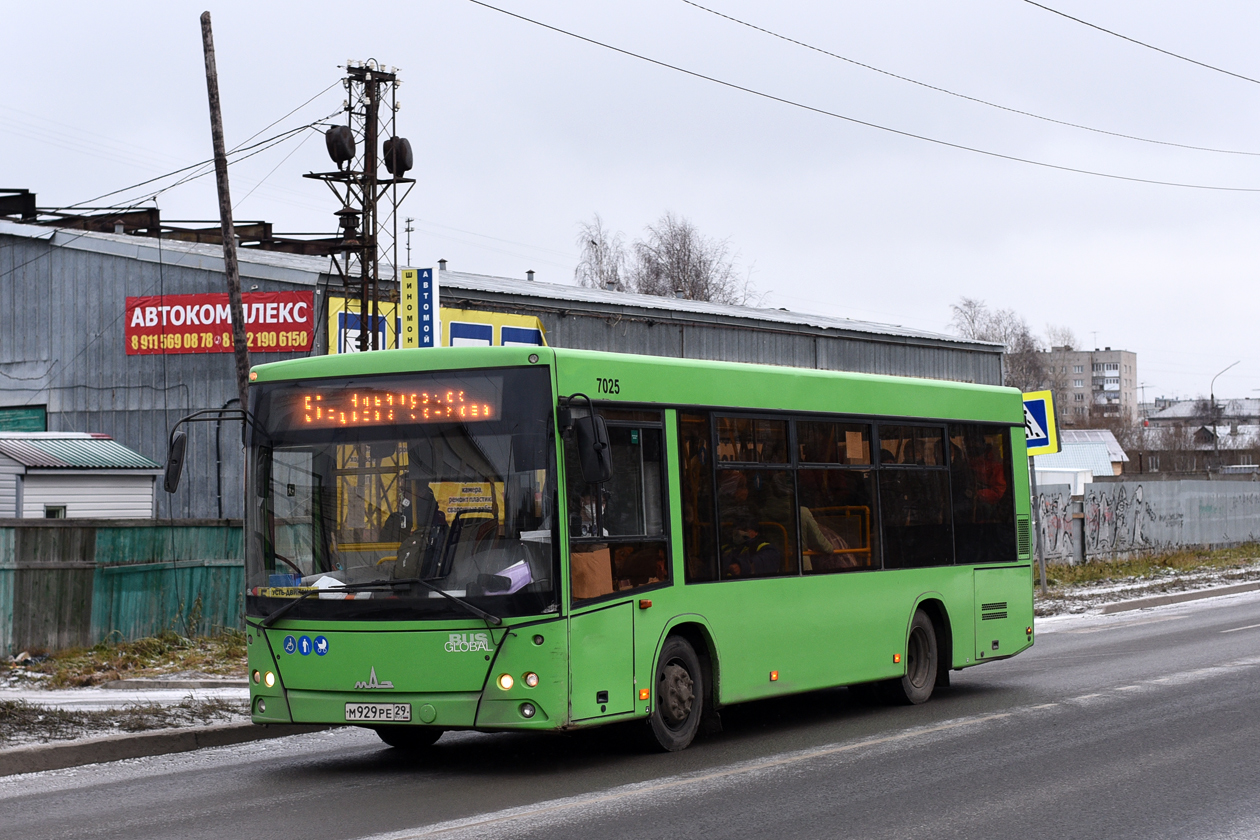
175	461
594	450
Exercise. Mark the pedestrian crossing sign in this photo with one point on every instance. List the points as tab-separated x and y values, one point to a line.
1040	431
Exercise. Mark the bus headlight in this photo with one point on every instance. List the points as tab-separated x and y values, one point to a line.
269	679
506	681
531	679
528	710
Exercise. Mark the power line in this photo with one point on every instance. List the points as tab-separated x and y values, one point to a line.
977	100
1143	43
856	121
279	137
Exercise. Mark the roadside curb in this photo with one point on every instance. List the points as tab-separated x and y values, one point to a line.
37	757
149	684
1180	597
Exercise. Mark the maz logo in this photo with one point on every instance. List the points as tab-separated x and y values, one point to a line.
372	683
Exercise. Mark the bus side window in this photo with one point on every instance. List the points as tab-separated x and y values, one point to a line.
984	505
914	496
617	529
696	480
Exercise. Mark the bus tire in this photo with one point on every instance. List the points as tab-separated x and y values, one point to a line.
921	662
410	738
679	685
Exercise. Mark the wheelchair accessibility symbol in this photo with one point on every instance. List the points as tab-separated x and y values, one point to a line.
290	644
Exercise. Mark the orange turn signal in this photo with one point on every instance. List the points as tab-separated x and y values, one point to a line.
644	604
774	676
644	693
896	658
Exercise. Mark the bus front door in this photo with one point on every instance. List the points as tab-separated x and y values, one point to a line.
601	662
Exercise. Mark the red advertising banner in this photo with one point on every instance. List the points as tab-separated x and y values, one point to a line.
275	322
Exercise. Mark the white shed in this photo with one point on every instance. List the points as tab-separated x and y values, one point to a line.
74	475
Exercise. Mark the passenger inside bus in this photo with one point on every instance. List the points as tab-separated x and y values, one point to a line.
748	555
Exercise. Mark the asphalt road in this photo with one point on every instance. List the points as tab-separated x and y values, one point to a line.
1137	725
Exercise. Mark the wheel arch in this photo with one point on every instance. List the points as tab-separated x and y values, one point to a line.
933	606
696	630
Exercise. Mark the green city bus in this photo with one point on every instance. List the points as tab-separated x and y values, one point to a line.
529	538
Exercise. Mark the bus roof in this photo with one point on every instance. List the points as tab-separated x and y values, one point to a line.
624	377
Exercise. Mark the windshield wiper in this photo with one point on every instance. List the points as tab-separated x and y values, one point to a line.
351	587
477	611
480	613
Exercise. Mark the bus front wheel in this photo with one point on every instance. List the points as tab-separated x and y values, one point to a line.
921	661
409	737
680	691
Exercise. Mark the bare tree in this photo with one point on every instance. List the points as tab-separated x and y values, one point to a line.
603	261
973	319
676	259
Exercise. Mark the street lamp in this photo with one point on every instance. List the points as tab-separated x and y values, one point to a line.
1216	437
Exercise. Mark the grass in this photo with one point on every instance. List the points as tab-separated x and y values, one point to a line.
1154	565
27	723
169	652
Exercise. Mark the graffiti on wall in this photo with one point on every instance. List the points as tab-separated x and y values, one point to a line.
1117	520
1054	513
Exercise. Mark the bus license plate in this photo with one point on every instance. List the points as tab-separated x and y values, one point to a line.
378	711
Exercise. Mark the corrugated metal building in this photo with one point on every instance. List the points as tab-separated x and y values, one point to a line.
62	304
74	475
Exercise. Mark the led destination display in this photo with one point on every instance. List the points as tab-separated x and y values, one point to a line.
325	407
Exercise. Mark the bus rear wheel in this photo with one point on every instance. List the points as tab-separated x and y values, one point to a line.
409	738
921	662
680	691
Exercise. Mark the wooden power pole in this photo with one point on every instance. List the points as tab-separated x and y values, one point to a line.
240	346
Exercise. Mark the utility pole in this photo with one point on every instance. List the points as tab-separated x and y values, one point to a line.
231	269
1216	429
408	228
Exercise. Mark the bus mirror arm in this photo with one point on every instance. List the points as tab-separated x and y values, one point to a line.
179	440
594	448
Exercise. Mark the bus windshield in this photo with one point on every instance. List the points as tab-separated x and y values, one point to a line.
367	495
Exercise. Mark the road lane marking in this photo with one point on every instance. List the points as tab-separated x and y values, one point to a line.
1042	706
497	819
1236	629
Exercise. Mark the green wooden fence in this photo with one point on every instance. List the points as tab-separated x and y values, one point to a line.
70	583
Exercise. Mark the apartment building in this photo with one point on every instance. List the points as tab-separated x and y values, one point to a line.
1097	383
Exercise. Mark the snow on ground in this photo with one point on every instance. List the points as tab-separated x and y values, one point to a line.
1082	598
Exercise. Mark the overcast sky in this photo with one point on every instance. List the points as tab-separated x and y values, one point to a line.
520	133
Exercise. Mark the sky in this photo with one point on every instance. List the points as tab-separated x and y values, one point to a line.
522	133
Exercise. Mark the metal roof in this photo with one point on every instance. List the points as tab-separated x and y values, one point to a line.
667	308
71	451
299	269
1079	456
1076	436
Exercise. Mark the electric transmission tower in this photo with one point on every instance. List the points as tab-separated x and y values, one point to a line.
368	217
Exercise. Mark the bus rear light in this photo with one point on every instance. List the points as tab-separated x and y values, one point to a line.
644	693
896	658
774	676
531	679
269	679
506	681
